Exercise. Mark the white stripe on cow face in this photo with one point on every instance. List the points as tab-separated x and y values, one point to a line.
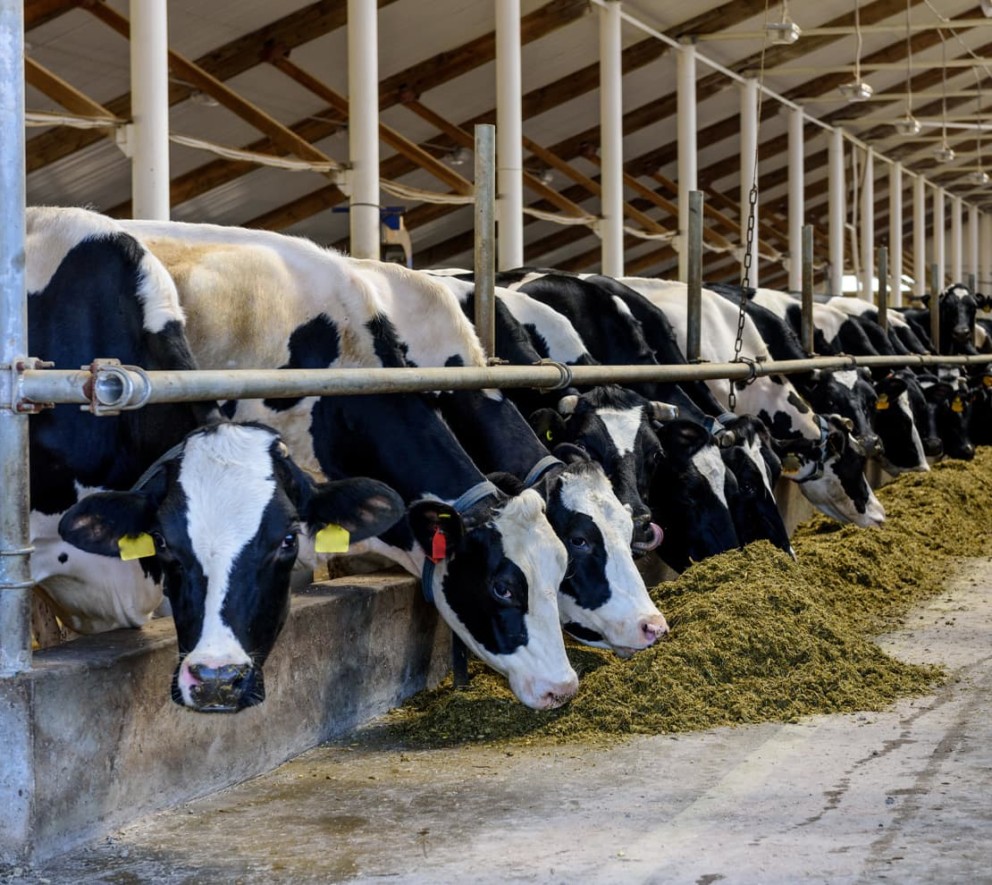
710	465
622	426
231	458
847	377
622	619
753	450
902	403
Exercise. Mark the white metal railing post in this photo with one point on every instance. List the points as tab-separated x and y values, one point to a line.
611	137
148	141
485	236
364	221
957	242
15	566
836	224
920	235
985	258
973	242
867	288
748	154
509	136
687	157
937	235
693	246
895	232
796	197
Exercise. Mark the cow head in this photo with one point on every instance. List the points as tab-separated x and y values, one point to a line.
689	496
493	567
602	600
899	399
848	393
838	487
951	402
980	428
222	517
957	318
614	425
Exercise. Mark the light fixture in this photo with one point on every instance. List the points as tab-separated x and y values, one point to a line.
459	156
784	32
857	89
945	153
545	176
979	177
909	125
203	100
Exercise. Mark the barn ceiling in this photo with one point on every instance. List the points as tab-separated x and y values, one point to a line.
437	79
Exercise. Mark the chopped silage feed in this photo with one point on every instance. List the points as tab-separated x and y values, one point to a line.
755	636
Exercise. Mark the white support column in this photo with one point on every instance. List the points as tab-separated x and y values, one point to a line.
957	242
686	147
971	265
985	249
836	225
920	236
611	138
796	198
867	289
509	137
895	233
939	223
748	154
363	128
149	133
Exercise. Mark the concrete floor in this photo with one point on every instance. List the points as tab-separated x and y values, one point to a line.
902	796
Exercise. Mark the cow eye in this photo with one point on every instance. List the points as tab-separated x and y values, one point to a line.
159	540
578	542
502	591
288	543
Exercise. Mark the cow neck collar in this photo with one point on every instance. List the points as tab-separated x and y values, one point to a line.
170	455
464	502
540	470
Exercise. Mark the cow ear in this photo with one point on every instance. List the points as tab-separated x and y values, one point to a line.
925	299
363	507
836	442
548	425
846	423
431	518
568	404
97	522
893	386
660	411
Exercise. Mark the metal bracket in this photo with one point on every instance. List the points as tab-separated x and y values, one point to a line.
111	387
123	138
11	385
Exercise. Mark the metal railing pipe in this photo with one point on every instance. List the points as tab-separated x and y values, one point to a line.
130	387
694	290
485	236
15	571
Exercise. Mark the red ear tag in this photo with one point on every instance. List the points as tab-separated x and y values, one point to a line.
439	545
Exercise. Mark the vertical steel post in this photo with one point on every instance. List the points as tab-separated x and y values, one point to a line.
972	283
509	117
797	184
687	161
150	109
895	231
749	172
807	305
485	236
883	287
972	264
935	306
611	137
364	221
867	289
938	235
836	202
694	242
15	566
957	249
919	235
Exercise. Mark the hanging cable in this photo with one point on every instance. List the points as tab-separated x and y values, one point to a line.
943	154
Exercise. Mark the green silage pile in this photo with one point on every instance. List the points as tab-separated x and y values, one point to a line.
755	636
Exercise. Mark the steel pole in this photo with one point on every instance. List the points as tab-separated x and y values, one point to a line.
957	252
749	171
919	236
883	288
686	148
694	291
938	236
363	128
485	236
935	306
806	323
867	289
149	131
895	231
796	193
509	132
611	137
836	200
15	566
973	244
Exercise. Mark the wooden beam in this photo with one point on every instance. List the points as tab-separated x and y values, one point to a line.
68	96
39	12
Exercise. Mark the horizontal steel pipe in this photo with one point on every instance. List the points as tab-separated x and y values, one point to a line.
74	386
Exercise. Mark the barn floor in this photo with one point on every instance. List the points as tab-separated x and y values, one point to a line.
900	796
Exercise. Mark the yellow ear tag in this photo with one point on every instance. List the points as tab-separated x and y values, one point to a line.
957	405
883	403
987	380
547	435
332	539
136	546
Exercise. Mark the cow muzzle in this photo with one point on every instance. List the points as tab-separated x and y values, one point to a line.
225	688
646	538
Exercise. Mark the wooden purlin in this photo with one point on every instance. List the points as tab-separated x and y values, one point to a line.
66	95
40	12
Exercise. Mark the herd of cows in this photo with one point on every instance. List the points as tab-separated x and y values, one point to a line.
523	511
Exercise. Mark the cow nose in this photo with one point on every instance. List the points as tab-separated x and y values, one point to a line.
872	444
960	333
654	628
933	447
219	689
967	452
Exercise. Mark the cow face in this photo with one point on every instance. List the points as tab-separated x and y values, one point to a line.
602	600
980	427
689	496
848	393
957	318
895	420
840	489
951	404
749	456
614	425
497	569
223	517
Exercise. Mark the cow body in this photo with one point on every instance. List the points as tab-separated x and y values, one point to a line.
220	506
490	562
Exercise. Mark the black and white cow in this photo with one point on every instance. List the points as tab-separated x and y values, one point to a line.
214	513
490	562
957	319
840	490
